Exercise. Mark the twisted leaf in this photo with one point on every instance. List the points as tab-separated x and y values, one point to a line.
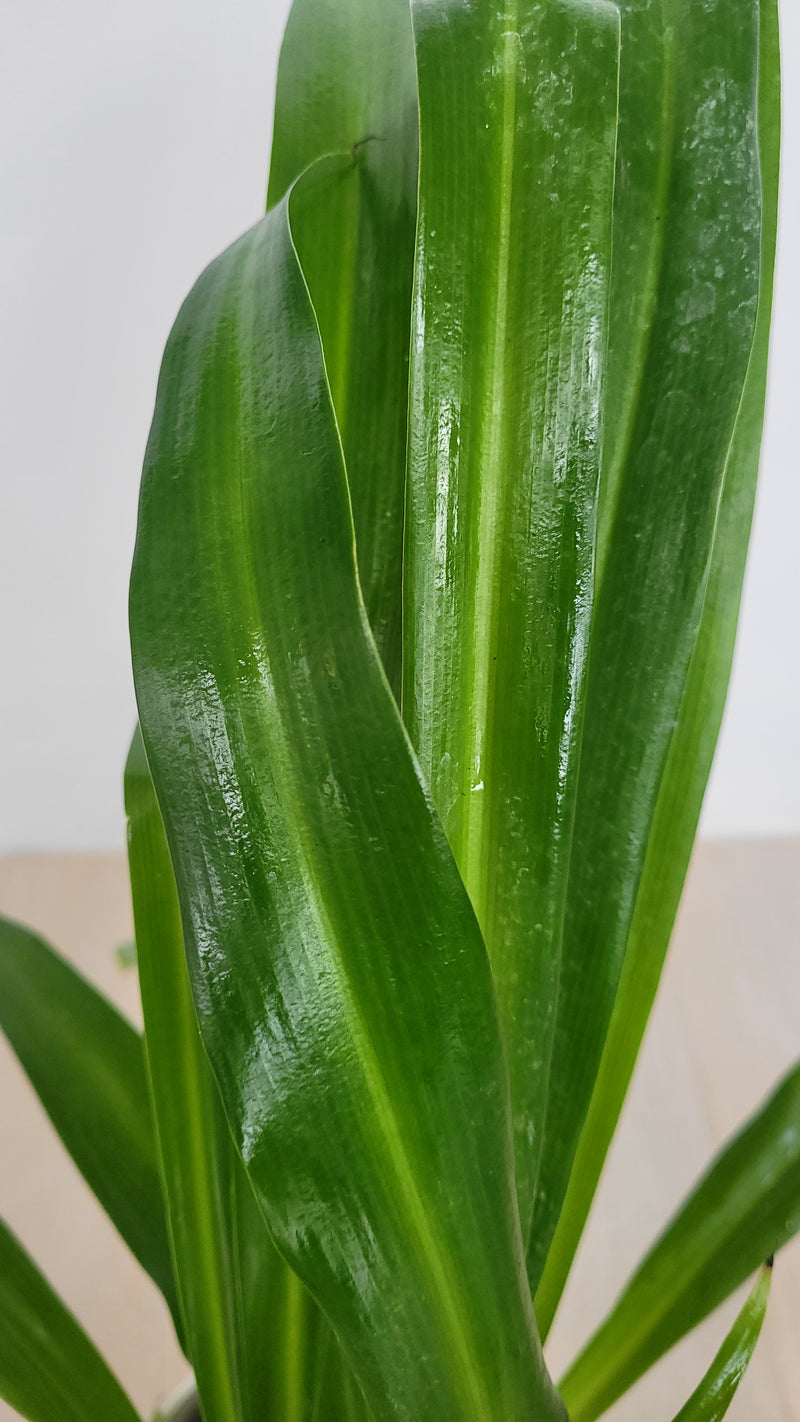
341	982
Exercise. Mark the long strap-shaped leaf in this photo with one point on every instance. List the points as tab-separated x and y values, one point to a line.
687	225
223	1258
306	1378
714	1395
347	82
340	81
87	1065
518	111
343	988
259	1344
692	747
49	1371
745	1208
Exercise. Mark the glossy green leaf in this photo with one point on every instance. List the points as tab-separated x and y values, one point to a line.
49	1371
306	1376
347	83
87	1065
223	1259
341	982
353	237
259	1344
507	367
744	1209
714	1395
292	1364
687	231
692	747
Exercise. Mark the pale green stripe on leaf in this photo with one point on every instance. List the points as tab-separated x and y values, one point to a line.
509	332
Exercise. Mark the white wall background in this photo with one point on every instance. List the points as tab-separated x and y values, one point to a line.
133	147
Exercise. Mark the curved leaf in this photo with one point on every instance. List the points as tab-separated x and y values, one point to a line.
744	1210
87	1065
687	232
508	352
340	978
347	83
714	1395
352	238
49	1371
692	747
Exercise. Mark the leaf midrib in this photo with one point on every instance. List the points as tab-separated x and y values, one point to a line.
470	849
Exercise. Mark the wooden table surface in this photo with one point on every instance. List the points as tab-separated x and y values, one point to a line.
726	1024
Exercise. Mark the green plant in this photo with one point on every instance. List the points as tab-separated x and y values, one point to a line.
396	964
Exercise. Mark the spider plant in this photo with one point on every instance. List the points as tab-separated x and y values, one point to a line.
441	539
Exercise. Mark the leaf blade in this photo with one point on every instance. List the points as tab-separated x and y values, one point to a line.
684	212
86	1063
344	1060
201	1174
692	748
715	1393
347	83
510	312
742	1211
49	1371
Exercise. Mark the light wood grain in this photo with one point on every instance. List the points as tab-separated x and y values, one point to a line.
726	1024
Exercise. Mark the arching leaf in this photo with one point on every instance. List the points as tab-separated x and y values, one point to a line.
340	978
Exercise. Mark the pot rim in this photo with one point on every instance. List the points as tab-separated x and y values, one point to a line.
181	1405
